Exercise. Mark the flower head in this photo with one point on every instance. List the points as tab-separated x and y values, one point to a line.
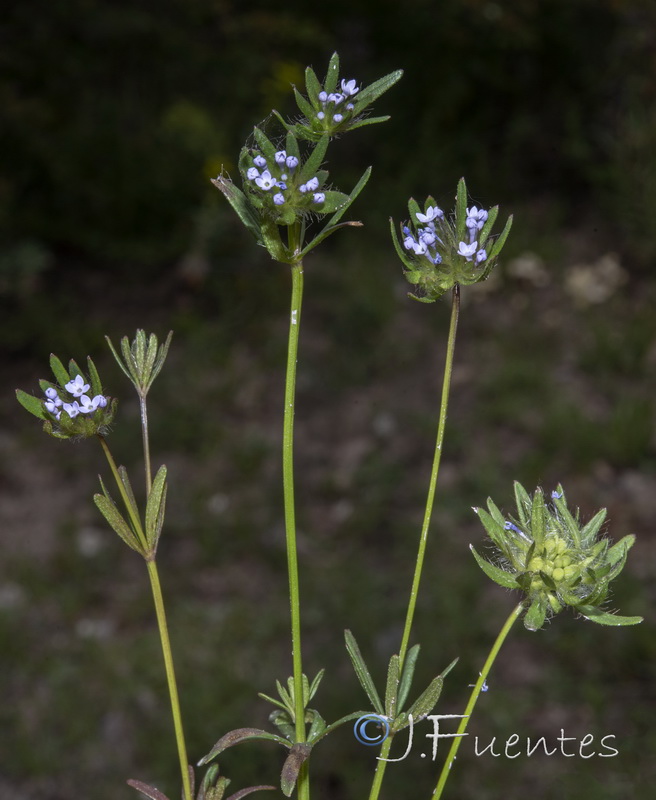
66	410
547	553
434	251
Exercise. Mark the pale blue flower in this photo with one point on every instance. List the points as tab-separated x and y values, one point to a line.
53	397
87	405
77	386
349	87
323	96
335	98
428	236
319	197
51	407
476	218
265	181
279	199
252	173
432	212
481	256
321	115
259	161
280	157
312	184
338	118
467	250
409	241
72	409
291	162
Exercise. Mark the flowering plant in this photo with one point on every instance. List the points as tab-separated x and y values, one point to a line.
544	552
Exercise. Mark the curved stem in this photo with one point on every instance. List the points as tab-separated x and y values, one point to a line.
381	766
446	769
290	515
170	676
446	384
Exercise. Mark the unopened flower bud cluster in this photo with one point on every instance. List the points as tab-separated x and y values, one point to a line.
78	403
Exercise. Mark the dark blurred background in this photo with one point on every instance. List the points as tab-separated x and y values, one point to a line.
113	117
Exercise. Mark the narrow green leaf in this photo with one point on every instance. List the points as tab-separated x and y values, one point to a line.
332	74
304	107
407	263
272	700
325	233
59	370
426	701
361	123
155	508
240	205
315	160
619	550
96	385
317	725
407	675
312	87
495	573
538	523
392	686
267	147
285	696
283	721
117	523
523	502
568	519
604	618
591	529
159	361
461	209
364	676
335	201
125	480
501	240
118	358
489	224
241	735
376	89
31	403
495	530
315	683
359	186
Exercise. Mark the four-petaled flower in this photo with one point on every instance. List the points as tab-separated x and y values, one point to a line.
349	87
77	386
467	250
265	181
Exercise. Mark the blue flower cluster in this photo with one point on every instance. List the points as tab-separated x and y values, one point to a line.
332	109
82	405
427	240
277	182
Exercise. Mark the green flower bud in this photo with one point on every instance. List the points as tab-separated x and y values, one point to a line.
570	565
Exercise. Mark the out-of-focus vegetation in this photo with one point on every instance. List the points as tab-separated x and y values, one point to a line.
113	116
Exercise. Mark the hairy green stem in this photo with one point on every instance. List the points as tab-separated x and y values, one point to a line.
446	384
290	516
158	600
478	686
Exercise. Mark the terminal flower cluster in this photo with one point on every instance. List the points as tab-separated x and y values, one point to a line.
439	252
555	560
75	407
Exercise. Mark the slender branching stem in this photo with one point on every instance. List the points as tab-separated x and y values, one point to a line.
303	786
478	686
446	384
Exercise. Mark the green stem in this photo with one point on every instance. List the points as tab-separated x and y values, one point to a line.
446	384
146	445
161	623
446	769
170	676
290	517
